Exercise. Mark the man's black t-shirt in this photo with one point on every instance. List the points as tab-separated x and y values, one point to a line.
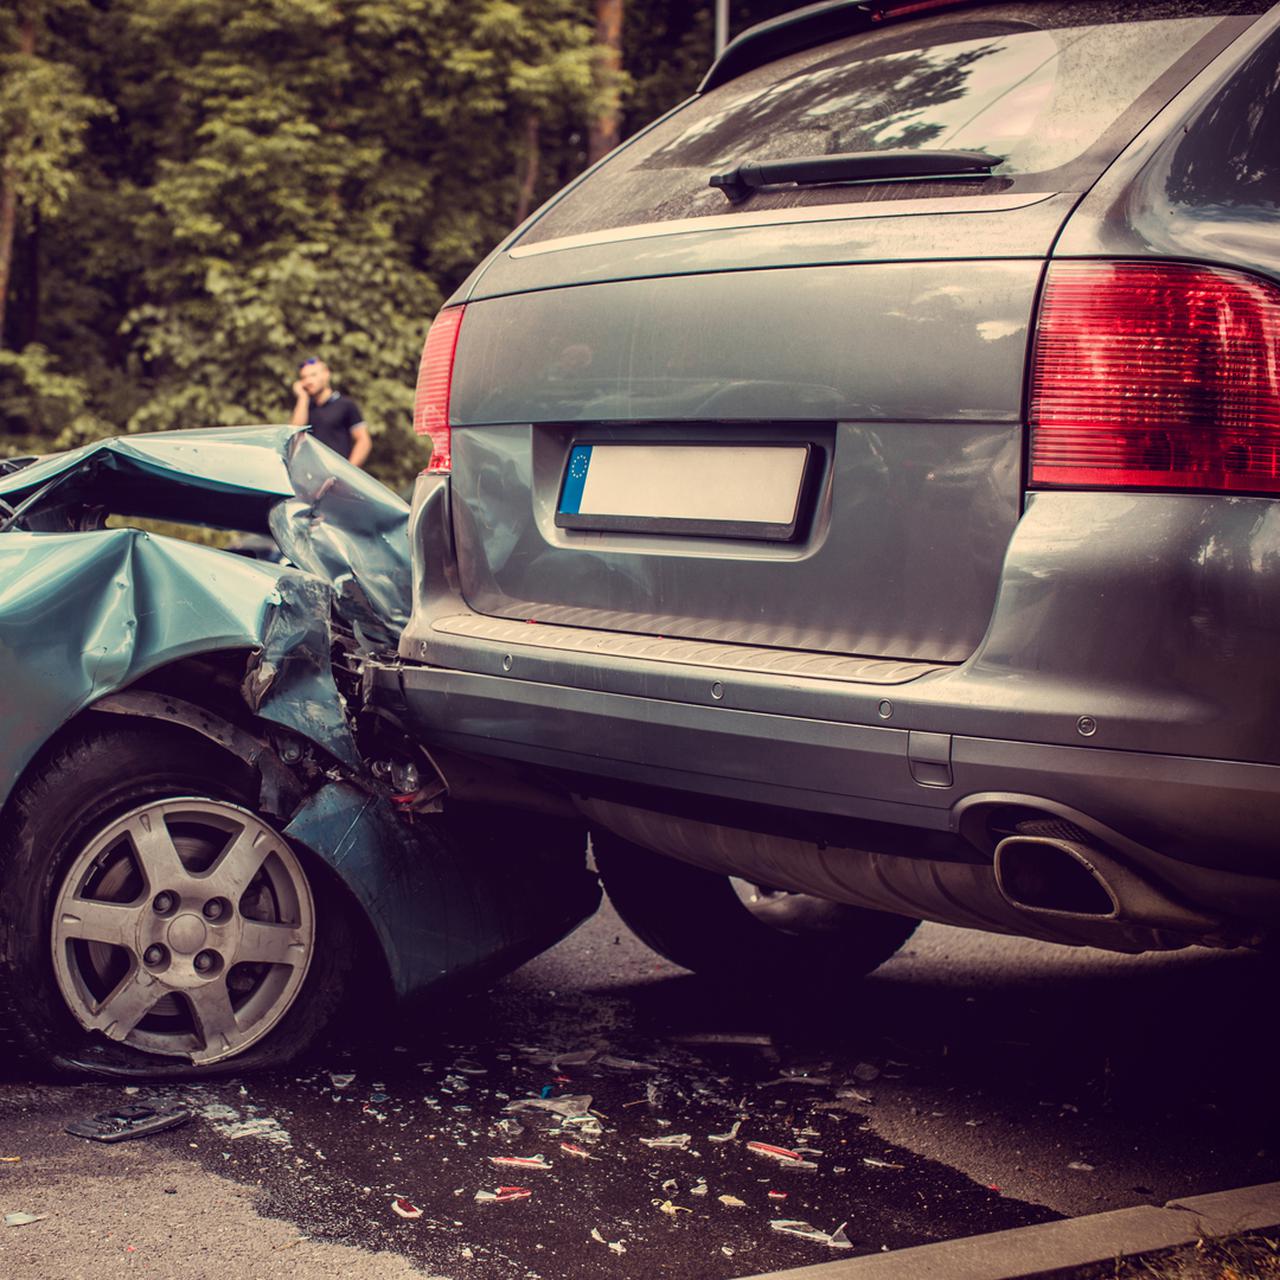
333	421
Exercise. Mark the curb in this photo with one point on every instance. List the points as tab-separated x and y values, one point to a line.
1054	1247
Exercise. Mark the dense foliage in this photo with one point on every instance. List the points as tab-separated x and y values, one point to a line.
199	193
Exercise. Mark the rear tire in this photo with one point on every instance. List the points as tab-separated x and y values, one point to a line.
698	920
235	950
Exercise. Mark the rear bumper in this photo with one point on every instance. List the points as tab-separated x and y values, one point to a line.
1210	823
1124	683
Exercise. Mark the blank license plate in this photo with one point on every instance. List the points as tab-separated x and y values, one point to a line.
733	491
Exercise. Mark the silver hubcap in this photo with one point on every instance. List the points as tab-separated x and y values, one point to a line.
184	928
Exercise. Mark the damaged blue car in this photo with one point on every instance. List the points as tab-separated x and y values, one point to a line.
211	843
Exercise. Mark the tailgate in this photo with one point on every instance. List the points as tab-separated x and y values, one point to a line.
901	381
794	421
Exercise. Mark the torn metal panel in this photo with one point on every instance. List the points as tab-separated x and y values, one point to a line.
82	615
86	614
463	894
114	604
347	528
289	680
327	517
224	476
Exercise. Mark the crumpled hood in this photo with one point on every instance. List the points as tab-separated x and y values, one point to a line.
327	517
86	611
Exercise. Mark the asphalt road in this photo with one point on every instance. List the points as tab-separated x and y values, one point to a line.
974	1083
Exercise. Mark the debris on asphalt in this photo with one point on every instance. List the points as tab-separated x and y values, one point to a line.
670	1142
405	1208
227	1122
700	1188
837	1239
130	1121
510	1128
569	1106
875	1162
342	1079
732	1202
265	1127
625	1064
784	1155
521	1162
777	1195
615	1246
579	1058
503	1194
1081	1166
667	1207
853	1095
10	1159
572	1149
865	1072
795	1077
23	1219
728	1136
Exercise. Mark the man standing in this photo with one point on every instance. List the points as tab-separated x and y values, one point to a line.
334	419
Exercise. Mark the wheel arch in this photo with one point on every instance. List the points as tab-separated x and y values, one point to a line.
209	708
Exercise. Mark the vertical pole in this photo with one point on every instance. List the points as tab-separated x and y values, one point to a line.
603	135
722	25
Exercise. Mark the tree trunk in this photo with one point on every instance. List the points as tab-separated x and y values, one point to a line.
603	136
532	165
9	185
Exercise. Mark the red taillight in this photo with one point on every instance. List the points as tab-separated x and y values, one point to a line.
1156	376
435	375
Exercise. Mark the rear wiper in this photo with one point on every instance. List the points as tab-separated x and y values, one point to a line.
851	166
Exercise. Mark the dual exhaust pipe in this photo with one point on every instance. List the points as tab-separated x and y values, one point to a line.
1051	875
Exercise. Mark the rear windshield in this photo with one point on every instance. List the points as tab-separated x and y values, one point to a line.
1055	89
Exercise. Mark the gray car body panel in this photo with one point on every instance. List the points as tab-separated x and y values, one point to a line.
1173	193
892	335
1182	755
1118	676
1021	224
921	459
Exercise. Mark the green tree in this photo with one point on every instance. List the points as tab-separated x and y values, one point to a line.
44	116
320	178
202	192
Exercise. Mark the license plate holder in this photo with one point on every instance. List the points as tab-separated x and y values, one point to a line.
726	490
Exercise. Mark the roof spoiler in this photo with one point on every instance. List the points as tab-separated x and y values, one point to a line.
803	28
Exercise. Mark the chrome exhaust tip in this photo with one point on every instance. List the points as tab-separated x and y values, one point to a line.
1049	875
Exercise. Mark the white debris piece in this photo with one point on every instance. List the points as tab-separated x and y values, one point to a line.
728	1136
670	1141
569	1106
837	1239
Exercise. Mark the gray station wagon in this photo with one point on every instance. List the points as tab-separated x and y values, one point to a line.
859	495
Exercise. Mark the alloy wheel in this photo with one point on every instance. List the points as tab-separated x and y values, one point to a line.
184	927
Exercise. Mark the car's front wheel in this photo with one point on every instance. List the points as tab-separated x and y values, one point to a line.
718	927
152	920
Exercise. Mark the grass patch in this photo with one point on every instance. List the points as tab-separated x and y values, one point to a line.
1250	1256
